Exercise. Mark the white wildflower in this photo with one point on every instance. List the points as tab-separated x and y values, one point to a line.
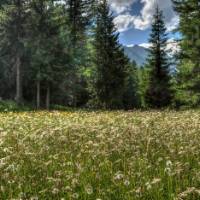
89	189
148	185
55	191
169	163
126	182
34	198
155	181
118	176
75	195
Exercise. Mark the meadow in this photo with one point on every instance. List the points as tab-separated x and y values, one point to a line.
147	155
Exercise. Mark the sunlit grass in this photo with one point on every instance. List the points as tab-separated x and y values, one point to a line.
100	155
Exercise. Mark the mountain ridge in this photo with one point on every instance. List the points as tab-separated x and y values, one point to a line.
136	53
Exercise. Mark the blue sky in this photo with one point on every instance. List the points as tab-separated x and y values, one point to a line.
133	19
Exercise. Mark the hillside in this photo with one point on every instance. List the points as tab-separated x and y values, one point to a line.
136	53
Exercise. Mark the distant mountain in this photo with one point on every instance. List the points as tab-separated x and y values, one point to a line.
137	53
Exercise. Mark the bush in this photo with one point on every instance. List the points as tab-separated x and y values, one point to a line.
11	106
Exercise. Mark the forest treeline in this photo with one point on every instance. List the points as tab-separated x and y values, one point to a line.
68	53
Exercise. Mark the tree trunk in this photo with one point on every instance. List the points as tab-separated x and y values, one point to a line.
38	94
48	98
19	96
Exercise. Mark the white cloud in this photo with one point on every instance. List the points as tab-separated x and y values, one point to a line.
173	24
143	21
130	45
145	45
172	46
120	6
124	22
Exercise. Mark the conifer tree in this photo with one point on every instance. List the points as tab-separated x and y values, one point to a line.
110	61
13	26
159	93
48	54
131	93
188	77
79	18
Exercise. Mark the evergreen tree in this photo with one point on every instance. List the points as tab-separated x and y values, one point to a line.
110	61
13	35
79	18
49	56
131	93
159	93
189	80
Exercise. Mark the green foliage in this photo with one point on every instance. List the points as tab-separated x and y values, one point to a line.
189	12
79	20
80	13
69	54
185	96
47	43
48	57
109	60
189	58
143	83
159	93
11	106
131	91
12	41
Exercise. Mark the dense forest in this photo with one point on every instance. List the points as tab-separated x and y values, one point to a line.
68	53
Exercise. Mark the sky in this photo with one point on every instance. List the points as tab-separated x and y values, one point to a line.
133	19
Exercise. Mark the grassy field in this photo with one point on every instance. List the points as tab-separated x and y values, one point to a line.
100	155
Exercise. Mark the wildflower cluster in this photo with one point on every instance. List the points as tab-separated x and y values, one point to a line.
100	155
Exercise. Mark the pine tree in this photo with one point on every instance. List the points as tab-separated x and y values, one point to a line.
131	93
48	53
110	61
37	42
79	18
189	57
159	93
13	26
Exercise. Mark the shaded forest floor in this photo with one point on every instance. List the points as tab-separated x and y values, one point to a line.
100	155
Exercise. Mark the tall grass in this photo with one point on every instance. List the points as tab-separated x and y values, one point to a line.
100	155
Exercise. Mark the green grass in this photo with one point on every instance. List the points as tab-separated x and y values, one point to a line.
100	155
11	106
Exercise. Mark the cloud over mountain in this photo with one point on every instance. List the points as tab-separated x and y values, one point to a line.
125	20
